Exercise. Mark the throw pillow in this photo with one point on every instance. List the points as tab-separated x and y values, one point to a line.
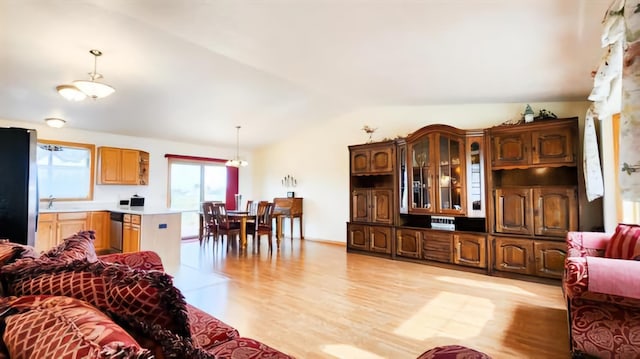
145	297
625	242
10	252
78	246
62	327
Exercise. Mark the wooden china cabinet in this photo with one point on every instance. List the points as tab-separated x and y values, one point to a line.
437	166
534	183
435	213
498	201
372	184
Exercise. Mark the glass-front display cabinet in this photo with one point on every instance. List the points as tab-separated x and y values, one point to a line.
475	175
437	166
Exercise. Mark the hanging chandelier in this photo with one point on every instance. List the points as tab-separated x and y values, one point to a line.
237	162
81	89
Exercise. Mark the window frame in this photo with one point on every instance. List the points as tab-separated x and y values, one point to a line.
92	166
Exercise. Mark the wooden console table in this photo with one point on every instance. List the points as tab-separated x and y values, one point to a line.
287	208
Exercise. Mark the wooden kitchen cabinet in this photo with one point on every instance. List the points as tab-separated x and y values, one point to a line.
99	222
372	159
53	228
131	233
122	166
70	223
46	236
470	250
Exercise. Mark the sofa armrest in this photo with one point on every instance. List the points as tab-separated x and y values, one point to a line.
147	260
602	279
581	244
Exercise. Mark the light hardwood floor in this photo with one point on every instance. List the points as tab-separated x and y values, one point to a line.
314	300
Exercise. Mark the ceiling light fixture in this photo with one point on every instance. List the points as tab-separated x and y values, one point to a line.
237	162
55	122
80	89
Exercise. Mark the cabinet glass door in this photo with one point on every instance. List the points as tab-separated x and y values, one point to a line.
404	185
450	174
421	175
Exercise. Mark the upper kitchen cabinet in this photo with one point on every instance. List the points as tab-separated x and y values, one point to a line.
372	159
122	166
540	144
436	166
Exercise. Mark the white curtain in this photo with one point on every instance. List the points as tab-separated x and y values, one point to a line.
630	113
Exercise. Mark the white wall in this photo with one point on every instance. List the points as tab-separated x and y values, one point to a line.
318	157
156	192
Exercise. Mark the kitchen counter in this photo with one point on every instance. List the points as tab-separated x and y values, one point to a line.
159	228
118	209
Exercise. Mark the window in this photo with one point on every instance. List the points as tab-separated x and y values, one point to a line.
193	180
65	170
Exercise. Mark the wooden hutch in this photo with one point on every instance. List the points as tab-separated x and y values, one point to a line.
498	201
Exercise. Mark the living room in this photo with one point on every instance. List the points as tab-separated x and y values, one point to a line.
300	126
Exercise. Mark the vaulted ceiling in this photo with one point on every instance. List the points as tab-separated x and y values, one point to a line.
192	70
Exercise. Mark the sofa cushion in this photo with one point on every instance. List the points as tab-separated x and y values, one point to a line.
246	348
146	297
145	260
63	327
625	242
208	331
77	246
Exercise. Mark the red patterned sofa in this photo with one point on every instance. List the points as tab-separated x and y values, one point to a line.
603	298
70	303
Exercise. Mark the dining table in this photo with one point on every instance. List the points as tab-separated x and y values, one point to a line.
242	217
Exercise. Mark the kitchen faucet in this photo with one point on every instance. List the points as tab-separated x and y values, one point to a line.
51	198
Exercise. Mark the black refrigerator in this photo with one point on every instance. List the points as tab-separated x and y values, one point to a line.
18	185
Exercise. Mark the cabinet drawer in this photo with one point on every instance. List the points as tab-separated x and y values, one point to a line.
47	217
437	246
135	219
67	216
126	218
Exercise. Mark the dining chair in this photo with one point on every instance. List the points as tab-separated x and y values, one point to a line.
225	226
252	207
210	225
263	223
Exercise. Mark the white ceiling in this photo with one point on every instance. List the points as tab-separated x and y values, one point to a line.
192	70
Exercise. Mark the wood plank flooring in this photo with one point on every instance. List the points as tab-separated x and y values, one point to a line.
313	300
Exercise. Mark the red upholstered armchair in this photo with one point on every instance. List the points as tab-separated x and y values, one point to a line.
603	299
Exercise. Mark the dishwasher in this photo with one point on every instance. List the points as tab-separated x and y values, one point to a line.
115	240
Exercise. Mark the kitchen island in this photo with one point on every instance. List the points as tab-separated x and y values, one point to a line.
153	229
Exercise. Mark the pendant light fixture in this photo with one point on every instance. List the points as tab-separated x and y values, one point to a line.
81	89
237	162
